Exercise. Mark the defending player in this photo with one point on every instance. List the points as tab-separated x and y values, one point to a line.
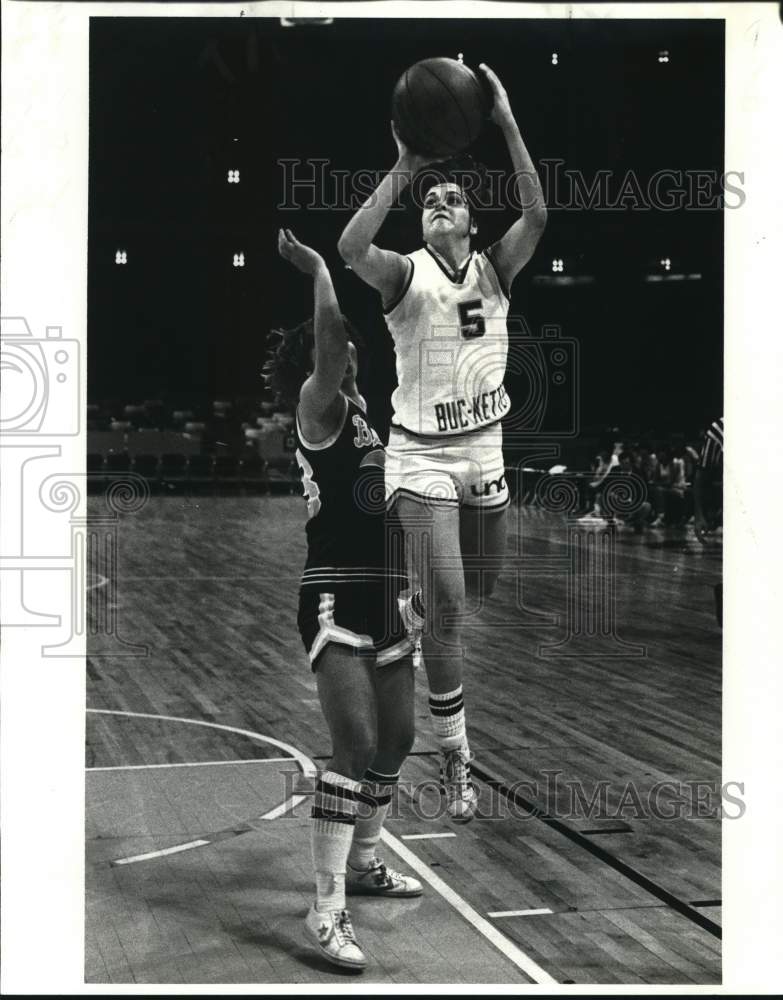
446	309
348	616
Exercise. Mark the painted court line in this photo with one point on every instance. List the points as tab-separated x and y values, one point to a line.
519	913
307	767
284	807
157	854
304	762
201	763
426	836
503	944
196	579
466	911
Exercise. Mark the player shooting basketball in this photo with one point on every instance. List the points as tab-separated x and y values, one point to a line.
444	461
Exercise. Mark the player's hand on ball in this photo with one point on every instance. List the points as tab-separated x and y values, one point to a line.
302	257
501	113
407	158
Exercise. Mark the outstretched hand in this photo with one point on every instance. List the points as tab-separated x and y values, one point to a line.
500	113
301	256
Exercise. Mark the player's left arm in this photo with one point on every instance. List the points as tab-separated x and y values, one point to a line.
319	398
510	254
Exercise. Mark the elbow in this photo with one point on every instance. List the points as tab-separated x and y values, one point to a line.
332	353
348	250
538	216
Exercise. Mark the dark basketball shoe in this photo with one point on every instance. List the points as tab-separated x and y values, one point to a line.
378	880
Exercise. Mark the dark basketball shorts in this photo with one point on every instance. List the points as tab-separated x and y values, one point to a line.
361	614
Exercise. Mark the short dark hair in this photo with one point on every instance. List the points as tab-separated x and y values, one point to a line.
467	173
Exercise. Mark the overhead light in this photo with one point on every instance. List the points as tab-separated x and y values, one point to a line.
666	263
663	56
233	177
554	58
557	265
121	257
292	22
239	260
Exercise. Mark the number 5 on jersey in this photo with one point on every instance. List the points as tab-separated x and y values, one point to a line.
471	322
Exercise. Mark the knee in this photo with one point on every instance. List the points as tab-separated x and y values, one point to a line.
447	598
396	746
404	738
356	752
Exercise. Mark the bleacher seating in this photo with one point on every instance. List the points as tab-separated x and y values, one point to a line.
226	471
117	462
172	471
105	442
253	472
155	442
147	466
200	472
241	444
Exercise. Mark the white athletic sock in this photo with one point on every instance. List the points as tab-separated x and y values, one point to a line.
448	715
377	791
334	815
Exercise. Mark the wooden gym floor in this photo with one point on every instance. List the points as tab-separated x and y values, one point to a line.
203	728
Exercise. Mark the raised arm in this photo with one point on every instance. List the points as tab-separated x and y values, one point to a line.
320	405
516	247
384	270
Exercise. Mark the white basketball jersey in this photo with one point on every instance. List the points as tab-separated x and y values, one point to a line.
451	342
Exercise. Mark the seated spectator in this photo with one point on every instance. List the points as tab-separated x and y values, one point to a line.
649	462
605	461
691	454
637	519
669	489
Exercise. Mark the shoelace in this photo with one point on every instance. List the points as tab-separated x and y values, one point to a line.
381	874
344	929
455	771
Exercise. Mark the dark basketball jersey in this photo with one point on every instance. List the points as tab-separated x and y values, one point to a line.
342	480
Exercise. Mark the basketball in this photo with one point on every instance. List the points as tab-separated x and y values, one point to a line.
439	106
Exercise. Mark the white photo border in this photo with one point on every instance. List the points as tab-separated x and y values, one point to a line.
44	279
